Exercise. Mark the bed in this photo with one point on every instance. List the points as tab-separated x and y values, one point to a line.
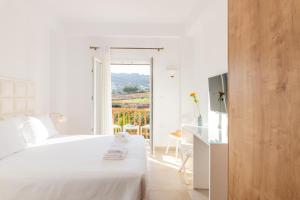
66	167
72	168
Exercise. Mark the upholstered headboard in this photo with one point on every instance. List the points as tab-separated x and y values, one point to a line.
16	97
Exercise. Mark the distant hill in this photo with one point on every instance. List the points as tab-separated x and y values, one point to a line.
120	80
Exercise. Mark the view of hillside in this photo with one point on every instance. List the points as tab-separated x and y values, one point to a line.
121	81
130	90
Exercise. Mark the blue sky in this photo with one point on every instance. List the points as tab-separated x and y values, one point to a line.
129	69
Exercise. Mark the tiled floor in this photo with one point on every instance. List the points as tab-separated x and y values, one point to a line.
164	182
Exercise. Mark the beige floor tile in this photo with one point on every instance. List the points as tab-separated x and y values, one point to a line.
164	182
168	195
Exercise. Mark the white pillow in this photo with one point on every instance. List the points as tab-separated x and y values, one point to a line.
48	123
38	129
34	131
11	139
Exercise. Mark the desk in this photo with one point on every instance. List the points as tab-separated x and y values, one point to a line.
210	160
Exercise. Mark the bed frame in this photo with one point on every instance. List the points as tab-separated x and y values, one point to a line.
17	97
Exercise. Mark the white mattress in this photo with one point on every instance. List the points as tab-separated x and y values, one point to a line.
72	168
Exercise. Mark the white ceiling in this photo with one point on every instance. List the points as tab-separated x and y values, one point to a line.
128	11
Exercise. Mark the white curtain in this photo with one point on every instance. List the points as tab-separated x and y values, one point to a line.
103	94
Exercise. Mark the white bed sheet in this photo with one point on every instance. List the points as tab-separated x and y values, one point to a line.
72	168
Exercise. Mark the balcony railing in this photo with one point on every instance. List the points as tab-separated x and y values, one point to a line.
131	120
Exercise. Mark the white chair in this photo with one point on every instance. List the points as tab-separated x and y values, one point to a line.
177	137
185	149
132	129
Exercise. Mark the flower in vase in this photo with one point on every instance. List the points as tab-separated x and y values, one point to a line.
196	100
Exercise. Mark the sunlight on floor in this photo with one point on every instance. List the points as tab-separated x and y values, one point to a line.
171	160
165	182
166	161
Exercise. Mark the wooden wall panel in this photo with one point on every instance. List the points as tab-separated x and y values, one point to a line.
264	97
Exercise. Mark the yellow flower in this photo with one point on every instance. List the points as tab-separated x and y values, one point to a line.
195	98
193	94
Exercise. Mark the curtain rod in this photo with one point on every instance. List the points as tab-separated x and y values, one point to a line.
137	64
131	48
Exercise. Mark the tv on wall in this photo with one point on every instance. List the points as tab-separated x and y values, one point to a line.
218	93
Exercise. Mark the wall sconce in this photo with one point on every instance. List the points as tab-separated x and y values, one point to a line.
58	118
172	72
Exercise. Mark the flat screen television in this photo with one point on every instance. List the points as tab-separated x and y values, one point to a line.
218	93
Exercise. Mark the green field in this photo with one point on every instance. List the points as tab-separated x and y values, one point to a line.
145	100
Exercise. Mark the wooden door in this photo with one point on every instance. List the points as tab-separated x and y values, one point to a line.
264	98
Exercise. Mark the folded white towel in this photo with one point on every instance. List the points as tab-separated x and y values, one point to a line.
115	156
116	151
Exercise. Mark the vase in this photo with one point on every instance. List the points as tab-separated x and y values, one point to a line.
199	121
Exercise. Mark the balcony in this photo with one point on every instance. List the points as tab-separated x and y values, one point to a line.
132	120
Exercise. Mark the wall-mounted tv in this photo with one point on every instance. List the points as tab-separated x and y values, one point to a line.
218	93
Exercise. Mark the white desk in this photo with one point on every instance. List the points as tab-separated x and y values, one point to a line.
210	160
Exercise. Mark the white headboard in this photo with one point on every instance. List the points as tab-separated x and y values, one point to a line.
17	97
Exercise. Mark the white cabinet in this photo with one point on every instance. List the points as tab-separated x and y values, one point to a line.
210	160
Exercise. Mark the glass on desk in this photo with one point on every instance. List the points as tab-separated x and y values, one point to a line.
209	135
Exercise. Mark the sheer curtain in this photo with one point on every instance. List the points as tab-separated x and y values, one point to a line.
103	107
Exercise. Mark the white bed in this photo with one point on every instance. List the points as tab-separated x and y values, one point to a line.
62	168
72	168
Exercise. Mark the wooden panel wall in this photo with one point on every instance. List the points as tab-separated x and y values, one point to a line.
264	97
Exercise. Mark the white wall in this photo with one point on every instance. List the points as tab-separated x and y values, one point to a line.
24	49
199	54
71	80
204	55
60	61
